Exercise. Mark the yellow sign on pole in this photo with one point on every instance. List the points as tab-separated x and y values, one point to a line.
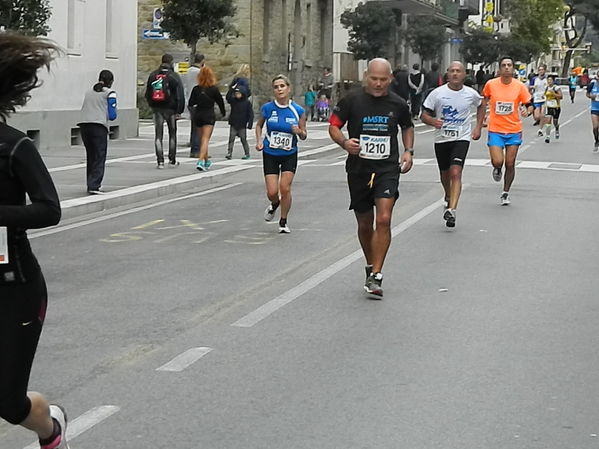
182	67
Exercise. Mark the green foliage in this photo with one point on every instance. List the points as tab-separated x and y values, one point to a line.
480	47
589	9
426	36
26	16
518	48
192	20
369	30
532	20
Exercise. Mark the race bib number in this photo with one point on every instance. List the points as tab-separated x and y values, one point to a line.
552	103
280	140
3	245
451	131
375	147
539	97
504	107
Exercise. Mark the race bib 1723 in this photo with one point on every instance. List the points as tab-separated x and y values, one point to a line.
375	147
504	107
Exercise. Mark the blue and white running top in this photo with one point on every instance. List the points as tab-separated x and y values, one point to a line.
279	139
593	89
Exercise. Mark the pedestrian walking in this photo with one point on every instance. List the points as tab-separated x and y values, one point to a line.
400	84
241	118
285	123
447	108
201	102
508	98
166	96
593	94
373	116
191	81
99	108
416	83
23	294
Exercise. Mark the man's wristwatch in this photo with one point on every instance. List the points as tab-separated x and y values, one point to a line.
410	150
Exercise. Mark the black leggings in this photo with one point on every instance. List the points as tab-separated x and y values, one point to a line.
22	313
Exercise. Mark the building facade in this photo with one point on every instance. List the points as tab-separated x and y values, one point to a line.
95	35
292	37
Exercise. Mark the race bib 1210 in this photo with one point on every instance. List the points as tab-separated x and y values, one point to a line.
375	147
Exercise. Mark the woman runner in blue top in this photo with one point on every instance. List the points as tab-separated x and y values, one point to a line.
285	123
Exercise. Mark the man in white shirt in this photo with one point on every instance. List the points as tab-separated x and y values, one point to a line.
537	88
448	109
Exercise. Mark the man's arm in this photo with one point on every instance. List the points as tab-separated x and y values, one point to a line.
481	111
407	138
427	117
352	146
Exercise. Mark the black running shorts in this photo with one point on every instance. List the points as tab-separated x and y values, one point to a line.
553	112
451	153
365	188
274	165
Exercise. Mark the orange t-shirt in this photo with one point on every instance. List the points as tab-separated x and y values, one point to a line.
504	116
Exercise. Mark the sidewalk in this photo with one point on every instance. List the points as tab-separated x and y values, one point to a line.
131	174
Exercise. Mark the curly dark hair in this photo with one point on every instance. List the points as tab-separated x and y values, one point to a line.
20	59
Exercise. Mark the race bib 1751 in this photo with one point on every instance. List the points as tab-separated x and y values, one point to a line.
375	147
451	131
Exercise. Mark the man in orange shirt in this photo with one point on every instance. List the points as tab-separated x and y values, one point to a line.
508	98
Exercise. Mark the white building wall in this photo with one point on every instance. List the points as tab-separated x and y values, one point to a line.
95	35
341	36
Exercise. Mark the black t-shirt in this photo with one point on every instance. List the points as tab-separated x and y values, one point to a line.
370	116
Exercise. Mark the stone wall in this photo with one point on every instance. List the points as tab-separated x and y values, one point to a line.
293	37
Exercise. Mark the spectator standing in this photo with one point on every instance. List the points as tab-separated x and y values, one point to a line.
310	100
433	79
326	83
241	81
480	79
191	80
166	97
241	118
416	83
99	107
400	83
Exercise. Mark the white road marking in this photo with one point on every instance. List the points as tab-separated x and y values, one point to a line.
185	359
58	229
275	304
85	422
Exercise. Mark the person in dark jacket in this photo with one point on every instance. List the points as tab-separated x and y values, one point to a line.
201	102
99	107
416	83
23	294
400	83
433	79
241	118
241	81
166	97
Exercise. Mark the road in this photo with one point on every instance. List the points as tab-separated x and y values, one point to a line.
191	323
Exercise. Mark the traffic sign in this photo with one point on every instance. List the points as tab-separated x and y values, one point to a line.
155	34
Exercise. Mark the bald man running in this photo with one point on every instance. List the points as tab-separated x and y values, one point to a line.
374	116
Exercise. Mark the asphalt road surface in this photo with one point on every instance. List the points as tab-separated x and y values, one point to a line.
191	323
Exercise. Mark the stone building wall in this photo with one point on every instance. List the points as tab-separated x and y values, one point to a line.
293	37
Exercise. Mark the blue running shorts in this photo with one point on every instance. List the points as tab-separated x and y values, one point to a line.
504	139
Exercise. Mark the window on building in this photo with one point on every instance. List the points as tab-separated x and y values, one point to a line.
267	17
75	17
309	36
112	29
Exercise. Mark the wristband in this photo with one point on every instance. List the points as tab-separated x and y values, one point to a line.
409	150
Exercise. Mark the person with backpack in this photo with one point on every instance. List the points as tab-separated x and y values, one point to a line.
241	119
99	107
166	97
23	293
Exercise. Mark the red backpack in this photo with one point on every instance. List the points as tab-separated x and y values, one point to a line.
160	88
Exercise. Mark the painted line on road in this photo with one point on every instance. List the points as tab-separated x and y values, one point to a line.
185	360
58	229
277	303
85	422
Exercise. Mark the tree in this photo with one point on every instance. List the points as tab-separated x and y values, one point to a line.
26	16
192	20
519	49
480	47
533	20
426	36
369	34
587	11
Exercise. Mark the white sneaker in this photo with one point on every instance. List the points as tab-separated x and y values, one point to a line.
449	217
496	174
269	213
284	229
505	199
59	414
540	133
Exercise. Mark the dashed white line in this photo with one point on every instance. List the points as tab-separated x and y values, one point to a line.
275	304
185	359
85	422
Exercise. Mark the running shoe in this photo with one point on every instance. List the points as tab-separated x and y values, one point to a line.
58	413
368	270
449	217
160	165
505	199
201	166
173	164
596	147
497	174
97	191
373	286
540	133
557	135
547	139
269	213
245	157
284	229
208	164
228	157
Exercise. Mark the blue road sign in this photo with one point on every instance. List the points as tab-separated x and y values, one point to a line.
155	34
